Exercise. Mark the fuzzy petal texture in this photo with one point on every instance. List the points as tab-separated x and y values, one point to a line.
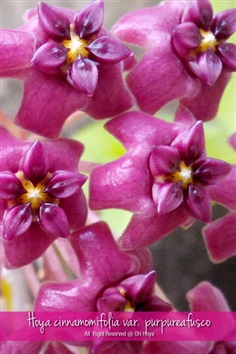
144	229
219	237
12	59
205	297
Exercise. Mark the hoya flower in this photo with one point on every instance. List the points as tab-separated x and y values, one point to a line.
111	279
41	195
67	60
187	57
163	177
220	235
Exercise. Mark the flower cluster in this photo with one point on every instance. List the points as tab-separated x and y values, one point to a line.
68	61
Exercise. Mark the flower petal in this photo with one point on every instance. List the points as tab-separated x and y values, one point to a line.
198	11
205	103
63	184
10	186
53	220
89	20
186	37
198	203
224	24
53	21
227	54
143	230
222	192
50	57
34	162
16	221
210	171
207	67
164	160
12	59
124	183
190	143
83	76
111	300
28	247
167	196
100	258
108	50
207	298
219	237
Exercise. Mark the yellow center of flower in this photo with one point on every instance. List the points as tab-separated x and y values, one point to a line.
208	41
76	46
183	175
35	195
128	307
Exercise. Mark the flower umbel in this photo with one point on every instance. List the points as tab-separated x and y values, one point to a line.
75	50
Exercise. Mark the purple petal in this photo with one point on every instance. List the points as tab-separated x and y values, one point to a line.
83	76
53	21
108	50
50	57
138	128
210	171
153	79
99	256
198	203
190	143
75	208
227	54
205	103
144	27
222	192
219	237
224	24
168	196
34	162
89	20
42	92
207	67
10	185
28	247
111	300
143	230
232	141
124	183
16	221
207	298
63	184
184	116
186	37
164	160
53	220
198	11
12	59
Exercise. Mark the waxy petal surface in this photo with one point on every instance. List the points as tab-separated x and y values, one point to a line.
16	221
53	220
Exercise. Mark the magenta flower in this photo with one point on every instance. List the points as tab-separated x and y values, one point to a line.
187	55
163	178
65	58
219	235
41	195
111	279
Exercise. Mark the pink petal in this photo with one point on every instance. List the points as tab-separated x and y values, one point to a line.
198	203
84	76
205	103
16	221
205	297
198	11
164	160
227	54
186	37
27	248
167	196
206	67
219	237
53	220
